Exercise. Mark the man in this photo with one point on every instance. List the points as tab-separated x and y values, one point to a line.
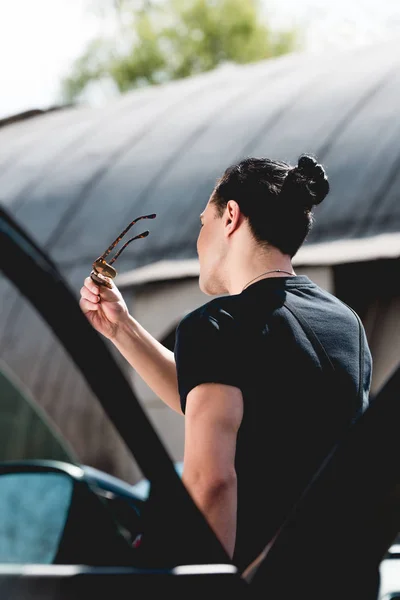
268	376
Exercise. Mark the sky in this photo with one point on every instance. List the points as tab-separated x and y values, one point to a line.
40	39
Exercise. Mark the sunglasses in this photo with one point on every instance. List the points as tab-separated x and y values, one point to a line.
103	269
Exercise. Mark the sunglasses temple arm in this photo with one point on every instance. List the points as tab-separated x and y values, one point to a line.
142	235
121	235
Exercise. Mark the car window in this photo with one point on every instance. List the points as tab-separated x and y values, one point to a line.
26	432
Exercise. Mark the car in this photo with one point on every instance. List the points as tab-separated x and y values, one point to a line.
70	531
142	488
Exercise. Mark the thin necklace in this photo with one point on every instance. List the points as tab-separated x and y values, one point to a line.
266	273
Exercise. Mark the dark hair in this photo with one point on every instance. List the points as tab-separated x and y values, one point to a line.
276	197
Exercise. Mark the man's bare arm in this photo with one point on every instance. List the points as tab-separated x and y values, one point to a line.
151	360
212	419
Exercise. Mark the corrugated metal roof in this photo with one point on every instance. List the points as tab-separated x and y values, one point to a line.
75	178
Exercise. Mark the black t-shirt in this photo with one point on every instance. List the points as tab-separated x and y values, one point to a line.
301	359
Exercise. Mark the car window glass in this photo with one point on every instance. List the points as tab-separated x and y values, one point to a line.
26	432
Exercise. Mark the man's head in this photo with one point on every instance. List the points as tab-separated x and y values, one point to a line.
258	207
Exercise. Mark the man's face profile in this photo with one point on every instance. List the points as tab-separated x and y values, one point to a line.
210	250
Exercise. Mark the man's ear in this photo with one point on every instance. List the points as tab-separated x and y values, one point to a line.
232	215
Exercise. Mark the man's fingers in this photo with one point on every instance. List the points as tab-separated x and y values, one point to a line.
91	286
88	295
87	306
105	293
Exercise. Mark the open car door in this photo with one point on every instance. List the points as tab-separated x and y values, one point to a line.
178	545
334	541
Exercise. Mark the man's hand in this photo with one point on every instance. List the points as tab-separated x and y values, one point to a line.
105	308
213	415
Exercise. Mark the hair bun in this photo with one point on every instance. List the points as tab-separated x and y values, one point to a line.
307	164
317	181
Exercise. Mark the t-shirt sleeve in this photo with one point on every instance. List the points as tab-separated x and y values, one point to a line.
206	351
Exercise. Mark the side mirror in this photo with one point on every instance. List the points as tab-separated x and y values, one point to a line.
50	515
34	509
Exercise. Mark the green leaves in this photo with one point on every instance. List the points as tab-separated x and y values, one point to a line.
171	39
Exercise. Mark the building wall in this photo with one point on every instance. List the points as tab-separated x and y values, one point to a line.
372	288
382	324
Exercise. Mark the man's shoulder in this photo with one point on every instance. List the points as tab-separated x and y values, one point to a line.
320	296
214	311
